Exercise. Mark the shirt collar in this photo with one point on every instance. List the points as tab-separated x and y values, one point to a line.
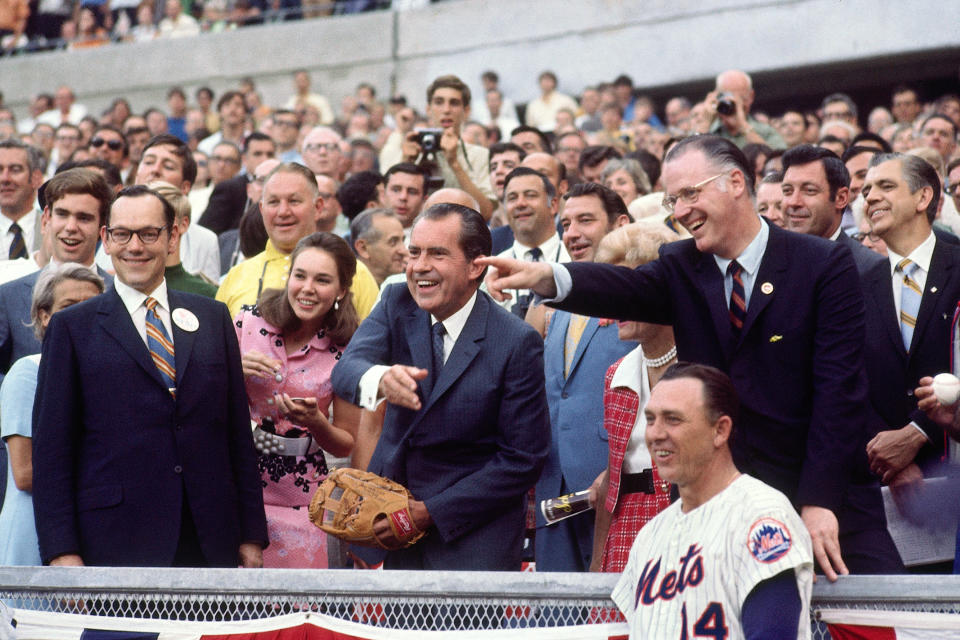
550	249
272	253
921	256
26	221
457	320
631	372
750	258
133	299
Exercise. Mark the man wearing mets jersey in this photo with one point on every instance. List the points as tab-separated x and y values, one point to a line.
730	559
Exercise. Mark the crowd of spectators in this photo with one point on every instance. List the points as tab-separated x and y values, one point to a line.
41	25
554	180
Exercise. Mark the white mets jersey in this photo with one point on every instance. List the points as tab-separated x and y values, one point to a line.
689	573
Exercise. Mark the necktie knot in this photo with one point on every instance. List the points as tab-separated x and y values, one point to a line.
151	304
906	266
536	254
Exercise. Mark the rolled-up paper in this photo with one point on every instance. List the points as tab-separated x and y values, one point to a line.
556	509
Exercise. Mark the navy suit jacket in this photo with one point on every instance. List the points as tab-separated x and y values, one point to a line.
865	258
115	456
16	336
797	366
892	373
478	442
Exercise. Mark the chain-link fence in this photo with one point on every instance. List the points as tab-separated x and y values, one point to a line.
400	599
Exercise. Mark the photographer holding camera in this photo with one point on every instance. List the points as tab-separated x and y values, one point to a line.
460	164
728	113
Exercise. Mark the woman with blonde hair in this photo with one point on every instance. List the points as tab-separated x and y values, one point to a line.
629	493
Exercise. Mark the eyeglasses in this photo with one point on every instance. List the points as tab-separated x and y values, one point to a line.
114	145
837	115
225	159
147	235
860	236
322	146
688	195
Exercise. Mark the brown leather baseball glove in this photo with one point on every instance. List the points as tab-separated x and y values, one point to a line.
349	501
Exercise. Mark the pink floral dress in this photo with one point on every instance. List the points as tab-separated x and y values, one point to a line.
289	482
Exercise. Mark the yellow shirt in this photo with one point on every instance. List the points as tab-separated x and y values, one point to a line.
269	270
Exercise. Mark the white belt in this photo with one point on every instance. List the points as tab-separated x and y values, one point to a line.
266	442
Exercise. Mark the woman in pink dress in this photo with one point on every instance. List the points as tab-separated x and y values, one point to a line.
290	342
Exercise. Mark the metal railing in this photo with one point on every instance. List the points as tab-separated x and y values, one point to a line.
427	600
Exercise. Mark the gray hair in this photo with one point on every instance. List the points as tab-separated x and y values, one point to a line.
362	226
43	290
640	179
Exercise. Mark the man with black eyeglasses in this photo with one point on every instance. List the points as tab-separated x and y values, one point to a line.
781	312
161	470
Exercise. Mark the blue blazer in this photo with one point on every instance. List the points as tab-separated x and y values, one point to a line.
16	336
797	366
578	441
480	439
115	456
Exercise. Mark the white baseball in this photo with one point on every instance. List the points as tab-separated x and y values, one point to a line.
946	387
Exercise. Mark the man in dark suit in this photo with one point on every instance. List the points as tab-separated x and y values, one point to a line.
229	198
816	192
77	202
161	469
780	312
466	427
909	310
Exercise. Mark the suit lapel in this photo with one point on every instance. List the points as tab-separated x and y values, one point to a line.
588	332
118	324
881	292
770	277
938	279
710	281
464	351
182	340
417	331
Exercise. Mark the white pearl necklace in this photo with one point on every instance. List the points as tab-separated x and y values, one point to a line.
664	359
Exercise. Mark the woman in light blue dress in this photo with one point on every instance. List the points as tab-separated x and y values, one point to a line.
58	287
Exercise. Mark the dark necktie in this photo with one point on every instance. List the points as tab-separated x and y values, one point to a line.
18	248
536	254
738	300
437	332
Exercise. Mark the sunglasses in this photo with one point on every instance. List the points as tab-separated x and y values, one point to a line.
114	145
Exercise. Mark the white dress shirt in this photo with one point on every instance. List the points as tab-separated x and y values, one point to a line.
134	301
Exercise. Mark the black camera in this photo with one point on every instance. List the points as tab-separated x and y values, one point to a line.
725	104
429	140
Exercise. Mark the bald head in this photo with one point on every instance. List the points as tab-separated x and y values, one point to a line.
451	196
549	166
735	81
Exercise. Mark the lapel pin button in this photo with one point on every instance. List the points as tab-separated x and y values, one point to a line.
766	288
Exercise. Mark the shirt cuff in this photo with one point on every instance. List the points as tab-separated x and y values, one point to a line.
562	281
369	387
922	432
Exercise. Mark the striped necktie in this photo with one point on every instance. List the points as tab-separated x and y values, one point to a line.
910	295
738	299
18	248
161	347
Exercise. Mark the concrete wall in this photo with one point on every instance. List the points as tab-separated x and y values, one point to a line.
658	42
